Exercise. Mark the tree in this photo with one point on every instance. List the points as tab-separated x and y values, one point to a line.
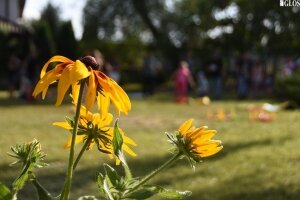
174	27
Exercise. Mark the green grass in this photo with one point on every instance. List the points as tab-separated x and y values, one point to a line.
259	161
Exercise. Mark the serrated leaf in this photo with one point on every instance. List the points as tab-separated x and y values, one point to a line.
117	140
142	194
128	174
43	194
112	175
107	190
5	193
100	181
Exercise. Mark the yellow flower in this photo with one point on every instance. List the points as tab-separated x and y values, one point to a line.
66	72
103	89
96	129
195	143
99	86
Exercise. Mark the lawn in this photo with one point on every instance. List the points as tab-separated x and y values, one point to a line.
259	161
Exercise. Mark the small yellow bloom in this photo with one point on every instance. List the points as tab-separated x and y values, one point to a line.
195	143
66	72
96	129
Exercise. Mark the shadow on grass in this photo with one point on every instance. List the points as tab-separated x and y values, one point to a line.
246	187
84	181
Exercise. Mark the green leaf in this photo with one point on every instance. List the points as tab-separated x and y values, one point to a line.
5	193
19	183
43	194
128	174
142	194
100	181
117	140
107	190
112	175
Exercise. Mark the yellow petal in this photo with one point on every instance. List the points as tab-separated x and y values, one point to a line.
107	119
63	85
185	126
116	94
91	145
78	72
103	103
64	125
122	98
208	145
118	162
43	84
79	138
91	92
211	152
128	140
128	150
205	136
55	59
75	92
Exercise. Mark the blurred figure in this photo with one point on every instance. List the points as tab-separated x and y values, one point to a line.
213	70
244	65
112	70
29	74
13	74
150	71
257	78
202	84
99	58
183	79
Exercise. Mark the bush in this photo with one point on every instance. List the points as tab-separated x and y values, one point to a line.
288	89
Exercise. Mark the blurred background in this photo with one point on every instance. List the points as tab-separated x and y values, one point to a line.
233	56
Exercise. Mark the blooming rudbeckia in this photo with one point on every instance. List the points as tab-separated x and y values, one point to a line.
99	86
96	129
66	72
103	89
195	143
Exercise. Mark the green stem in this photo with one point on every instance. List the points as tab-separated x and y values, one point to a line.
83	149
66	192
153	173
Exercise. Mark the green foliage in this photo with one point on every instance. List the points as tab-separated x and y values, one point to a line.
149	191
65	40
288	89
43	194
5	193
259	160
29	155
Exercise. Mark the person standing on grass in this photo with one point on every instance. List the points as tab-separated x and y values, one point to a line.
183	79
214	69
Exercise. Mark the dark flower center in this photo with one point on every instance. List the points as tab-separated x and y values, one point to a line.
90	61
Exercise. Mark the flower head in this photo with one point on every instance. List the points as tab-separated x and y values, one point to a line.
66	72
103	89
96	129
195	143
99	86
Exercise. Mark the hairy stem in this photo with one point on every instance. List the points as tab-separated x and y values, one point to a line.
66	192
153	173
83	149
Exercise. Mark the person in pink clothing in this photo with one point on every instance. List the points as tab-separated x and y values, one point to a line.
183	79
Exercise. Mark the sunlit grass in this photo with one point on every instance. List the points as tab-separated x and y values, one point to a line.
259	160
